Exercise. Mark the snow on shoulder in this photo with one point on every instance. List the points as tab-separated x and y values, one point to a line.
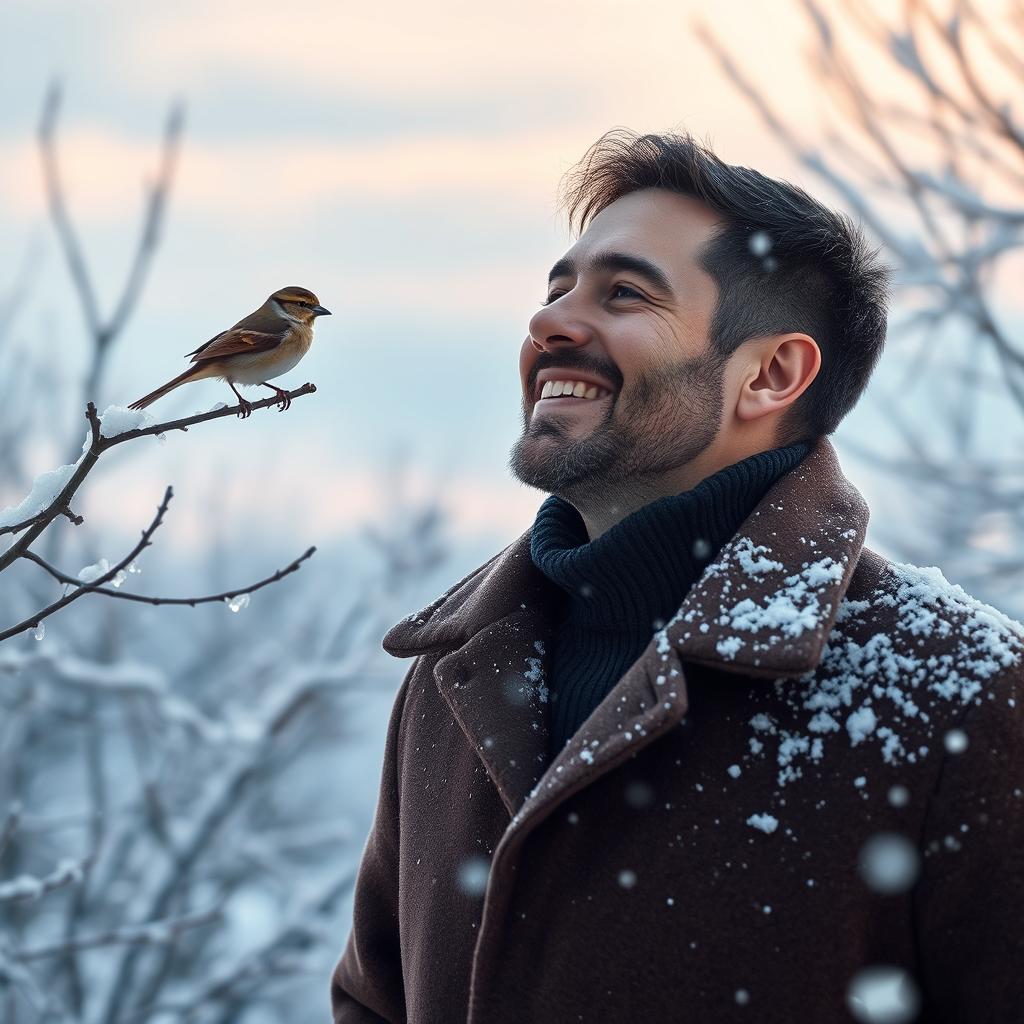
892	659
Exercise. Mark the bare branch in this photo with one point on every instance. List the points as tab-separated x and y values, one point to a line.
10	826
150	933
58	211
103	331
227	595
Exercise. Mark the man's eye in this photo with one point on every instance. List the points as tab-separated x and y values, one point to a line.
615	288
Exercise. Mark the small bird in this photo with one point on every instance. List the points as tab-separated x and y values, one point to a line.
267	343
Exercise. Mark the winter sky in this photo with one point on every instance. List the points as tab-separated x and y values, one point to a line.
402	161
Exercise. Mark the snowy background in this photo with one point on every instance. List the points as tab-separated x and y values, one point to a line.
402	162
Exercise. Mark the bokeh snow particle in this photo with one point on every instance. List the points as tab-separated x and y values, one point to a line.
742	996
899	796
627	879
956	741
889	863
639	794
473	874
701	548
760	243
883	995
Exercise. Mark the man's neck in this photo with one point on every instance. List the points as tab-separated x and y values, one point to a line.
607	503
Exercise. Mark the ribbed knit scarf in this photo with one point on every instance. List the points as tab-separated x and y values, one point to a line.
627	583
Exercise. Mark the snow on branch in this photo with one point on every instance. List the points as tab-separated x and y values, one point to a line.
28	887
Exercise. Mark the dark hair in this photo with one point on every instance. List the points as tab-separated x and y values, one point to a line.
783	262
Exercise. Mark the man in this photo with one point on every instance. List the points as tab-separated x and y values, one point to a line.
686	749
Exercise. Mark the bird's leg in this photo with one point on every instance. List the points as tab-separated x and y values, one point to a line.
246	409
283	401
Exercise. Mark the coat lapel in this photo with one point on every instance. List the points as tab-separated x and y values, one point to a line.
763	608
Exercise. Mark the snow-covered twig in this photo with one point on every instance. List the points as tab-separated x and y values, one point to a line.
28	887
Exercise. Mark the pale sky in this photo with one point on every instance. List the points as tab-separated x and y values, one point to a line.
401	160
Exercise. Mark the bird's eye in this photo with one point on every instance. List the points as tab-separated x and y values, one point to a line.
623	287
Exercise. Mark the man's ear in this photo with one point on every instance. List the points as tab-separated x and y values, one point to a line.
778	371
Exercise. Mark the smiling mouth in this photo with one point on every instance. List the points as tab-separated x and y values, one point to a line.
585	391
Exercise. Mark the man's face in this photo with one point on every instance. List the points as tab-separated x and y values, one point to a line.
647	343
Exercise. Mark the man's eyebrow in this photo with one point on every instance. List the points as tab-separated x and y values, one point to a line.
644	268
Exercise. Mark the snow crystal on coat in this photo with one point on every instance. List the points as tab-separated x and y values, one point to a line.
791	609
535	673
765	822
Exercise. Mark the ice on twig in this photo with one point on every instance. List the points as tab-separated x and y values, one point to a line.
94	571
237	603
40	631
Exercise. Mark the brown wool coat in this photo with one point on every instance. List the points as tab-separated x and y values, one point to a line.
803	678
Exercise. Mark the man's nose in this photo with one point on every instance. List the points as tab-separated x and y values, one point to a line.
552	327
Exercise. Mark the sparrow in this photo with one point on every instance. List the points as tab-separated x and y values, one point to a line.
265	344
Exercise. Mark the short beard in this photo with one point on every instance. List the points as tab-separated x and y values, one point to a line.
670	416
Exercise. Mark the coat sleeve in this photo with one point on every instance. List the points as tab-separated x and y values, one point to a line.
366	984
969	904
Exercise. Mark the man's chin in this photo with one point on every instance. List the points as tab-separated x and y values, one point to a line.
546	468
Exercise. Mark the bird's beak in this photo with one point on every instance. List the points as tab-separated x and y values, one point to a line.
320	311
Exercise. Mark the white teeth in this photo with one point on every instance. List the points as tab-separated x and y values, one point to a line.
578	389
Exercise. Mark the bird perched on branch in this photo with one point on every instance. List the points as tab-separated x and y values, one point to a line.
265	344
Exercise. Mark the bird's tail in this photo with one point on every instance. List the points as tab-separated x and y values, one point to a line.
189	374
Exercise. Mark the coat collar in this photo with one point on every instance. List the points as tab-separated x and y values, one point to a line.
764	607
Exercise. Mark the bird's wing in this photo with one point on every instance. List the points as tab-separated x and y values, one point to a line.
206	344
238	342
253	333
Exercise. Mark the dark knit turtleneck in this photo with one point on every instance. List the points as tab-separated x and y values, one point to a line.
628	582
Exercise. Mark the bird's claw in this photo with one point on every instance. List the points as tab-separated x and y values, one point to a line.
245	408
